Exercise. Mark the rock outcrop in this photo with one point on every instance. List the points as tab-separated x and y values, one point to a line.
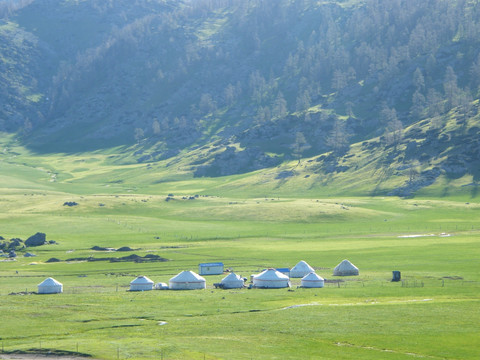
36	240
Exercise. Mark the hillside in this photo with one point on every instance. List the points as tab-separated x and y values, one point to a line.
241	86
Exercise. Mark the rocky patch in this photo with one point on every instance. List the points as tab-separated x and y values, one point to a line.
130	258
70	203
231	162
36	240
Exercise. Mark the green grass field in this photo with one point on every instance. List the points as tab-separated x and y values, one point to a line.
434	313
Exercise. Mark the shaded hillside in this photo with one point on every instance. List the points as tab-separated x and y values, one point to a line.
268	81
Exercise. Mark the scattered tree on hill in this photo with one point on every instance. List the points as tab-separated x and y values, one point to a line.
139	134
156	127
300	145
394	129
418	80
280	106
337	139
450	87
418	105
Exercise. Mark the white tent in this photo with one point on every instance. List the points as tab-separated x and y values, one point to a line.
313	280
141	283
271	278
187	280
161	286
345	268
50	286
232	281
300	270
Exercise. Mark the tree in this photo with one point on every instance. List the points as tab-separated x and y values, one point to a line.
207	105
349	109
339	80
230	94
263	115
300	145
413	170
394	129
418	105
434	103
279	106
450	87
418	80
303	101
464	106
337	139
475	73
156	127
27	126
139	134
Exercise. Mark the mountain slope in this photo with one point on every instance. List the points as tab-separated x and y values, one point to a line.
256	83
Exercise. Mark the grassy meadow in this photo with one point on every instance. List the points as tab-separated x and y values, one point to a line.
434	241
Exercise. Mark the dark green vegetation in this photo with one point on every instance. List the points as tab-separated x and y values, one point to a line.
246	85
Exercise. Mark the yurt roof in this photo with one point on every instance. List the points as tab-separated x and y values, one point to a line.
302	265
231	277
50	282
312	277
271	274
141	280
187	276
345	265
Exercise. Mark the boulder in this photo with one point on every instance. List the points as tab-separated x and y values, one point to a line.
36	240
70	203
125	248
101	248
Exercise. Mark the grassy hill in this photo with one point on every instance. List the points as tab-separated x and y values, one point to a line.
274	83
434	157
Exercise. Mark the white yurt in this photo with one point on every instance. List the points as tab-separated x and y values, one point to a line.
345	268
300	270
50	286
141	283
187	280
313	280
232	281
271	278
161	286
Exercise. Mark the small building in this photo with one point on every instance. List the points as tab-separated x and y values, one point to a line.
313	280
300	270
50	286
232	281
187	280
210	268
141	283
272	279
345	268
